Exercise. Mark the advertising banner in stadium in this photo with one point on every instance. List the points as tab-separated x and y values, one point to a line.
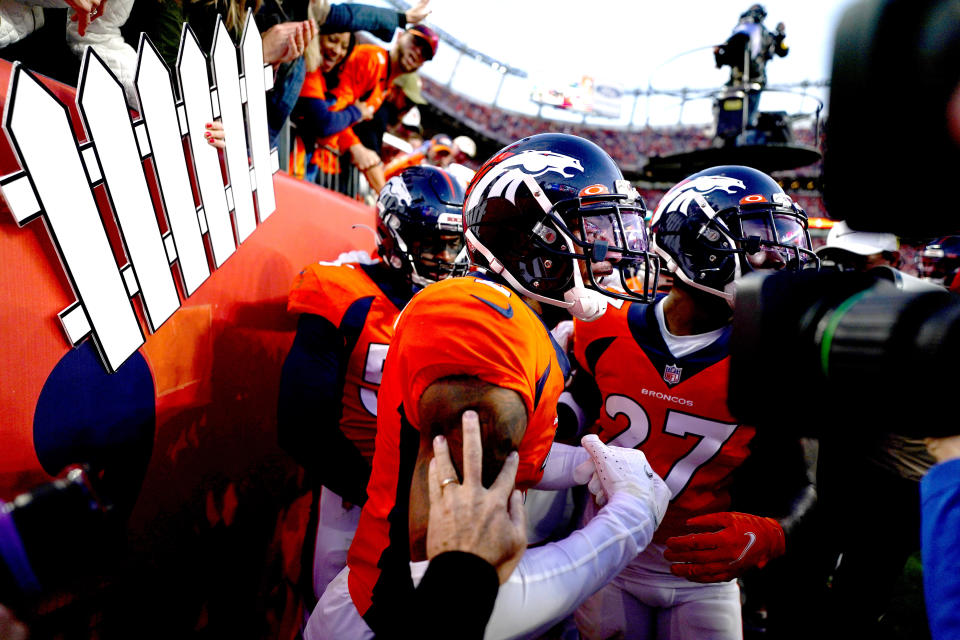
144	325
585	96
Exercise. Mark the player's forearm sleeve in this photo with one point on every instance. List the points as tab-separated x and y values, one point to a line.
558	471
553	580
308	410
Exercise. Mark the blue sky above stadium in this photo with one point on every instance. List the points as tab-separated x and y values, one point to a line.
634	44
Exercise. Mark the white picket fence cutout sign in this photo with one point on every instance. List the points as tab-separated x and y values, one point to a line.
251	59
214	213
106	119
159	110
226	74
59	175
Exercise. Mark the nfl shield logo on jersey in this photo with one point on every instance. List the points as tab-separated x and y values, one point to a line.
672	374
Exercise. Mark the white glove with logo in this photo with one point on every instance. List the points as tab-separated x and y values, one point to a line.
616	469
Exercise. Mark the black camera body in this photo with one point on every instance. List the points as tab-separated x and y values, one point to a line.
814	353
822	353
55	537
895	70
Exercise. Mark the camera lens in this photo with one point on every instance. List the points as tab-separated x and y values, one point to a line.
839	340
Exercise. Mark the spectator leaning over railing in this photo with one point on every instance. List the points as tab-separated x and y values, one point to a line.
336	18
368	74
316	124
287	29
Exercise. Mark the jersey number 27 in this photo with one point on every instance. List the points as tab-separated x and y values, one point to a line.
713	435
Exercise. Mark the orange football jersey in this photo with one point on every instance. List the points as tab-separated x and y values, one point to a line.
347	297
314	85
460	326
672	409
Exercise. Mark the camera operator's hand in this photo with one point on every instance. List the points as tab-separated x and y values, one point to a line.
944	449
10	627
732	543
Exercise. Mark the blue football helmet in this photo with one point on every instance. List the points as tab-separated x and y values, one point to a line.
723	222
552	215
420	225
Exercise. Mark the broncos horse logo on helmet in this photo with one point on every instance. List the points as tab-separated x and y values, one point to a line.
552	216
688	190
513	167
726	221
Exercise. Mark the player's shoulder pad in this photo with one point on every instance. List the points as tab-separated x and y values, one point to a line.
467	295
329	288
471	287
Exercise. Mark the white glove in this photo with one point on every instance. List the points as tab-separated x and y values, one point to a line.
627	470
587	304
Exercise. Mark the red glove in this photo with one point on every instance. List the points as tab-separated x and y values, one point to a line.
736	542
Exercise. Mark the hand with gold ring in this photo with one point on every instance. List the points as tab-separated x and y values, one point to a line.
490	523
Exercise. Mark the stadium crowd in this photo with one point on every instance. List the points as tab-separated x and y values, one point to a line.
600	389
329	118
629	146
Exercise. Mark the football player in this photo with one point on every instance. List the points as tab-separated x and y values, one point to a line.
328	390
661	371
940	262
473	343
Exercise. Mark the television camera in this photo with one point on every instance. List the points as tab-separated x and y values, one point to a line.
890	352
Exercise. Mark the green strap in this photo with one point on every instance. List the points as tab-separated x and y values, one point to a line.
831	329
